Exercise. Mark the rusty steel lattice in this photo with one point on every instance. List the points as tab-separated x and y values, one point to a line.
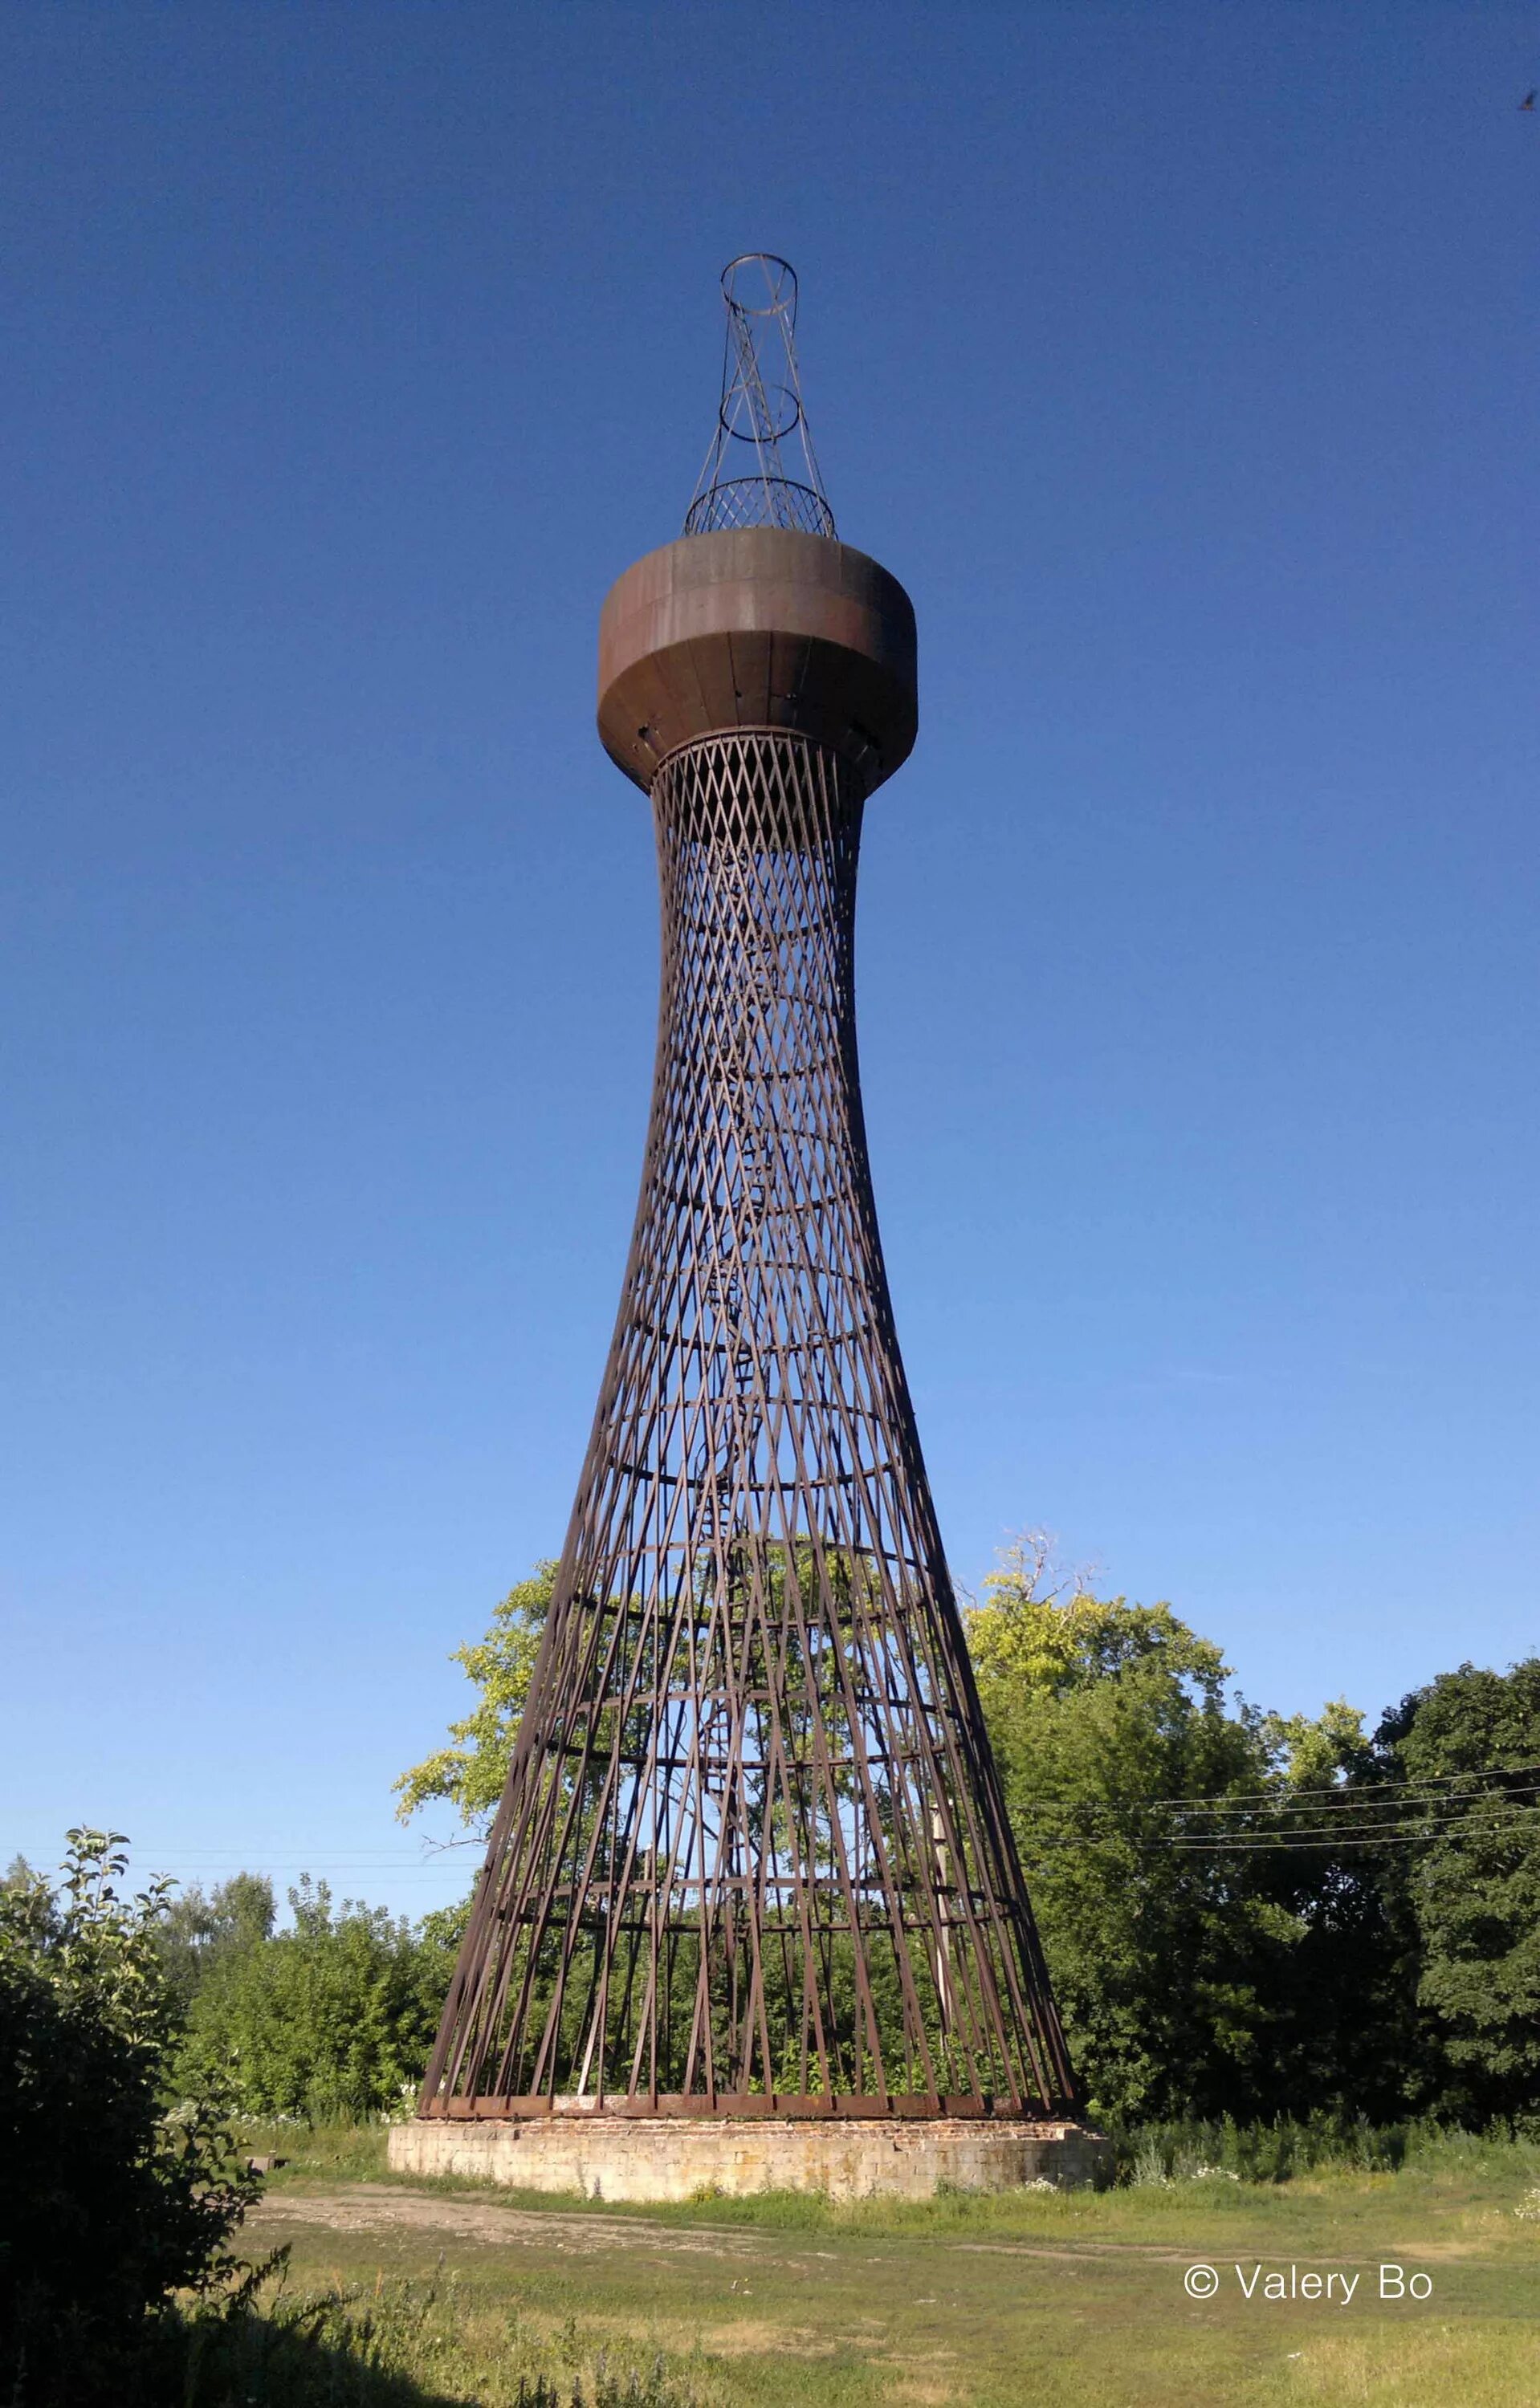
752	1857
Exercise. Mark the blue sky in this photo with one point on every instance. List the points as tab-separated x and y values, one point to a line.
1181	362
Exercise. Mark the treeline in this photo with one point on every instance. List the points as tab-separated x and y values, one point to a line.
331	2017
1274	1940
1252	1916
1245	1916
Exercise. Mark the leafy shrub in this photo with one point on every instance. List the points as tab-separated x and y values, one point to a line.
1273	2152
332	2018
108	2205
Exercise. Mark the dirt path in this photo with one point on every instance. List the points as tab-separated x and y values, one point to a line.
376	2207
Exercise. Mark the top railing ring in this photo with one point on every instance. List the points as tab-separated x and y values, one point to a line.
780	285
758	501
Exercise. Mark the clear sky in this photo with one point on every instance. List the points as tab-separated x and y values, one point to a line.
1182	363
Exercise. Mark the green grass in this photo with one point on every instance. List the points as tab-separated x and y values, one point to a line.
337	2152
397	2343
989	2302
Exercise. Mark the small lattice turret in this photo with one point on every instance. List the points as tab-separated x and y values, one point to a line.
743	482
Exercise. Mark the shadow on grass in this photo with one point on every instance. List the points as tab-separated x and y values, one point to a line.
256	2362
398	2344
260	2364
229	2363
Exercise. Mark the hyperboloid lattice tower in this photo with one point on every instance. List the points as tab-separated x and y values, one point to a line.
752	1859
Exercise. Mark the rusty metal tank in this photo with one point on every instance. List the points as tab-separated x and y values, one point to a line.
759	627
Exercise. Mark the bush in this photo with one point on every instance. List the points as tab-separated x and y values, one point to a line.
332	2018
1271	2152
1289	2146
108	2205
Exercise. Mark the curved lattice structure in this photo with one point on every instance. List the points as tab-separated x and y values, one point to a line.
751	1855
758	501
744	482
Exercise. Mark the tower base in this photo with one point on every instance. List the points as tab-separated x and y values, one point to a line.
635	2157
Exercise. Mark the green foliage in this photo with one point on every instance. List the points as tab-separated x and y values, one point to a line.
1313	1751
1027	1641
107	2204
470	1773
1471	1884
1221	1941
201	1927
1176	1965
1194	2149
332	2017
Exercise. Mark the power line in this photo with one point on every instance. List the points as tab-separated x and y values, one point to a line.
1411	1810
1306	1839
1336	1790
1429	1816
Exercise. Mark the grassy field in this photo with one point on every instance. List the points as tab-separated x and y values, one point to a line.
407	2293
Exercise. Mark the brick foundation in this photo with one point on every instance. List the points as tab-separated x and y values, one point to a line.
632	2157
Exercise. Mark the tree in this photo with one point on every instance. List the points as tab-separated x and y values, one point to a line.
1346	2031
333	2017
1468	1746
108	2205
1231	1954
470	1773
1174	1959
200	1927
